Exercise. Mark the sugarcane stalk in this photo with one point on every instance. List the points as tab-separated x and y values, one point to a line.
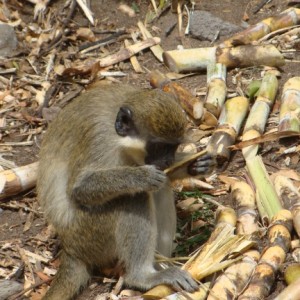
191	104
291	292
266	191
244	199
232	282
274	255
197	59
289	116
230	121
285	19
17	180
290	198
258	116
216	88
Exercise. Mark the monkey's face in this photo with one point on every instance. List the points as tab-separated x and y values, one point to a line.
160	154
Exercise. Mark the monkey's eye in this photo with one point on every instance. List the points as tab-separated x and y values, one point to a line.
124	124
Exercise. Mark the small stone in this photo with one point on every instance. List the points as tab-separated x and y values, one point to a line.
206	26
8	40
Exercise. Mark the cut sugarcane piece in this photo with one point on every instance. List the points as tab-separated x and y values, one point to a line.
287	18
191	104
17	180
244	199
273	256
290	198
197	59
233	281
289	117
230	121
263	184
291	292
216	88
258	116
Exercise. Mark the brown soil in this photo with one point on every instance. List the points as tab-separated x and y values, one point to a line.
14	212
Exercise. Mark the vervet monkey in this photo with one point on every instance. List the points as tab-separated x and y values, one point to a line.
102	186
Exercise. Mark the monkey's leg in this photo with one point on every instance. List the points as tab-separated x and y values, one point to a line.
138	257
71	277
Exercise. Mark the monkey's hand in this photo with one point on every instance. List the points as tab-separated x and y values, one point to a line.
155	178
202	165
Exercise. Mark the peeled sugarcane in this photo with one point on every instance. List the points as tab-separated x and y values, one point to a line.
292	273
290	198
233	281
197	59
216	88
212	256
273	256
287	18
266	193
258	116
230	121
289	116
192	105
17	180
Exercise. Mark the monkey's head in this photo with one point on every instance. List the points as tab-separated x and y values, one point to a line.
151	125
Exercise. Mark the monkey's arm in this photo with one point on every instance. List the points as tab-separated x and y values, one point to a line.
94	187
201	166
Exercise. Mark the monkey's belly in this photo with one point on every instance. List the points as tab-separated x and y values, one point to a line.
99	238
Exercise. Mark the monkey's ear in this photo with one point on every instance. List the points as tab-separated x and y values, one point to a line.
124	124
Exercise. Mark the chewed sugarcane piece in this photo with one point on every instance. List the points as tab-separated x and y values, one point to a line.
185	162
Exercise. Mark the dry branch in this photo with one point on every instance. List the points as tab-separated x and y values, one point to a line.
127	52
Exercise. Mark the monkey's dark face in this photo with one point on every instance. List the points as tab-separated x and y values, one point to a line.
160	154
150	137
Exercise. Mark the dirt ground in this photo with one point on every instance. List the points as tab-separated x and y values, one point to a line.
22	226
